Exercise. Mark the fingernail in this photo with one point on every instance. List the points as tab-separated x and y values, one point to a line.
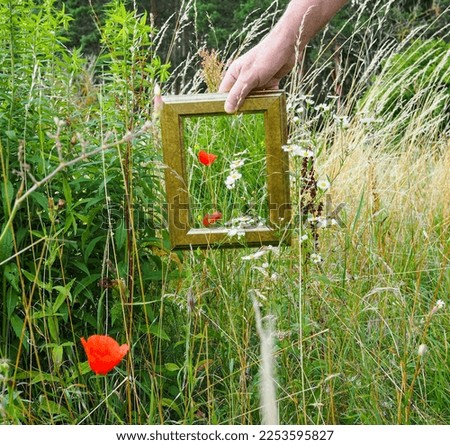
229	108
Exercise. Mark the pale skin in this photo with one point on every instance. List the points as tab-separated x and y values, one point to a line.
275	56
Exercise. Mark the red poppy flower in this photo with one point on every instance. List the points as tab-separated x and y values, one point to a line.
103	353
206	158
211	218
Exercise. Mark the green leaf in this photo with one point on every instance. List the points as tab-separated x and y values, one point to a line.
6	244
172	367
40	199
57	355
53	327
120	235
11	134
67	193
52	408
157	331
12	299
16	324
64	293
7	197
35	279
12	276
90	247
171	404
40	377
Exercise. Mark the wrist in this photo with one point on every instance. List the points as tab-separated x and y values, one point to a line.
302	20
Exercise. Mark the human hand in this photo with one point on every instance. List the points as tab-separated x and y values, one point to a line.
260	68
264	65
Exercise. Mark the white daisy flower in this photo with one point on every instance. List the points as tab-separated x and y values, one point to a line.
342	121
236	164
316	258
254	256
234	176
322	107
323	184
235	231
298	150
422	350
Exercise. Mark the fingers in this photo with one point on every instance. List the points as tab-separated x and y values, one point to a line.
237	95
228	81
236	87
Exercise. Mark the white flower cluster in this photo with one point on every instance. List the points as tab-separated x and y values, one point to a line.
316	258
342	121
264	270
323	107
298	150
239	224
234	175
321	222
261	252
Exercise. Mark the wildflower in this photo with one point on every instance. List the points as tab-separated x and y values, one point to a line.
323	184
274	277
262	270
206	158
236	164
103	353
323	223
440	304
323	107
298	150
316	258
256	255
422	350
235	231
230	182
342	121
261	252
211	218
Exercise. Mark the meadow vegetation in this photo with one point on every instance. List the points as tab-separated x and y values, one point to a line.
356	308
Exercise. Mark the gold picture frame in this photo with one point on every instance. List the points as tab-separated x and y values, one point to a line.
272	104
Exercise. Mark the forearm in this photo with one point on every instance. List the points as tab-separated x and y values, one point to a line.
302	20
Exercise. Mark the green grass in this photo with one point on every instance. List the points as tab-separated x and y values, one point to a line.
86	251
238	143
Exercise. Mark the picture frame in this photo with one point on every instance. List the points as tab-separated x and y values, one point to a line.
175	110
